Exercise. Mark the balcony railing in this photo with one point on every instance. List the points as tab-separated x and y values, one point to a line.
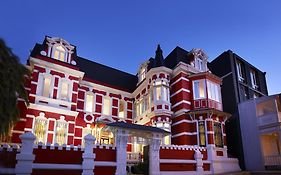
272	160
133	157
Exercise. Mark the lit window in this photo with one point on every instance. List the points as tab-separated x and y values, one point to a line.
253	79
150	98
106	106
61	131
158	93
89	102
40	128
64	90
202	136
86	131
142	74
121	109
199	89
213	91
239	71
46	87
218	134
59	53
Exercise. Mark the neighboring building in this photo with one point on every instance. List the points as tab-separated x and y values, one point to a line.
240	81
71	96
260	120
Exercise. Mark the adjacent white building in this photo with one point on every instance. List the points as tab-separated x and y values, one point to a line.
260	123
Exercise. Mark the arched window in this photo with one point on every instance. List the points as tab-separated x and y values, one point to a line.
89	107
40	128
61	131
218	134
202	136
59	52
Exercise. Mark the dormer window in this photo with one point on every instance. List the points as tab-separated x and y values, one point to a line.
142	71
142	74
199	64
60	49
59	52
200	60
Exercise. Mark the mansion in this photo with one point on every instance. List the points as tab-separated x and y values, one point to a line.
71	97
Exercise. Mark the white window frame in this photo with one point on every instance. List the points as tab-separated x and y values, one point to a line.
193	86
85	101
214	91
253	79
125	108
49	76
41	117
61	120
239	71
110	105
65	52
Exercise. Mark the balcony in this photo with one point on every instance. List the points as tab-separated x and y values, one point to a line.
268	113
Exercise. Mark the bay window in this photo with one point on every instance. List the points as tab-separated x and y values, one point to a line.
162	91
106	106
199	89
214	92
89	102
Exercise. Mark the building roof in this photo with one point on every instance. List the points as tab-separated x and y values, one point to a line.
176	56
137	127
107	75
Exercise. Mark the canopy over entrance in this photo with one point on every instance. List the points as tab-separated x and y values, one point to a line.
136	130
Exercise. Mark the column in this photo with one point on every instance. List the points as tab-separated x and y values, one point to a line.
198	156
154	158
25	158
121	140
88	156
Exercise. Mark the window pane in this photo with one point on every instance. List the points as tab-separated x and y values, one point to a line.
202	137
62	56
61	130
121	109
56	54
106	106
158	93
40	128
89	102
47	85
64	90
218	135
199	89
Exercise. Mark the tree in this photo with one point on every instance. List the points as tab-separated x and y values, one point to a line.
12	79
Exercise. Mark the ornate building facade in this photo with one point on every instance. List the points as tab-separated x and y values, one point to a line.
71	97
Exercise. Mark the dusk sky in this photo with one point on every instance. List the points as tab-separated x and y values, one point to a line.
123	34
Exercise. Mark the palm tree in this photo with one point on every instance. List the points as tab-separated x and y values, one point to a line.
12	79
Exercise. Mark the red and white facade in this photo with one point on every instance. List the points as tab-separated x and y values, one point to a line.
66	104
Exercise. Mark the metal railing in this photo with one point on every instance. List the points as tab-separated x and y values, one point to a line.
133	157
272	160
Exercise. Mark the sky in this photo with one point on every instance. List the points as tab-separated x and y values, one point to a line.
123	34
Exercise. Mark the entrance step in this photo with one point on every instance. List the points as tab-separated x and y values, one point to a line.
236	173
265	172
